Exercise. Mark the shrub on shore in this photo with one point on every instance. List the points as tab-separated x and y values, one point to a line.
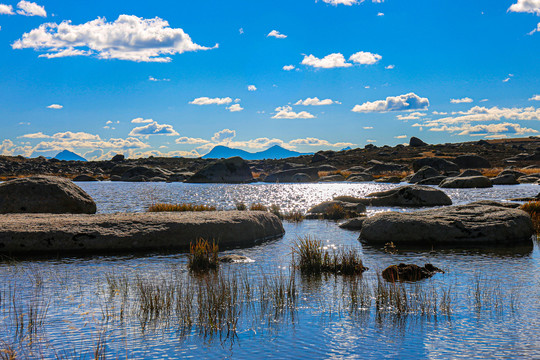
533	209
180	207
203	255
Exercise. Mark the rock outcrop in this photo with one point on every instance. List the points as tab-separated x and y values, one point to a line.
409	196
233	170
44	194
466	182
463	225
471	161
416	142
424	173
441	165
289	175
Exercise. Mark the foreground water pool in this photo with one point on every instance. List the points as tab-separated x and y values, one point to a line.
485	305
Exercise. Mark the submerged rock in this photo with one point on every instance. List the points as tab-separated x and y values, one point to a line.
409	272
354	223
466	182
454	225
44	194
232	170
327	205
234	258
507	179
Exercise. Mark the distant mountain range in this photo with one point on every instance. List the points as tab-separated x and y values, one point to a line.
68	156
274	152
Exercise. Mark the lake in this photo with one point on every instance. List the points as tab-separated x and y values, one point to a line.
485	305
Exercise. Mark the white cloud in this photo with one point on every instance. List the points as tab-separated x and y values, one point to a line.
241	31
365	58
55	106
407	102
484	100
252	88
151	78
390	67
341	2
235	108
6	9
288	67
38	135
28	8
371	141
380	14
318	142
285	112
400	137
334	60
140	120
108	122
462	100
484	129
224	135
211	101
536	29
127	38
508	78
439	113
368	127
480	113
316	102
188	140
411	116
153	128
276	34
528	6
535	98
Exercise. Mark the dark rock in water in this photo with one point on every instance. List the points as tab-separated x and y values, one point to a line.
389	179
464	225
409	272
44	194
416	142
507	179
84	178
231	170
332	178
234	258
354	223
118	158
469	173
441	165
288	175
517	174
466	182
471	162
327	205
301	178
436	180
116	178
359	177
137	172
424	173
410	195
529	179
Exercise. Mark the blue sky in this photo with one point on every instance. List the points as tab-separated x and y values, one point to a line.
175	78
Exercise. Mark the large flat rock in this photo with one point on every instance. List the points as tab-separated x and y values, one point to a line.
131	232
472	224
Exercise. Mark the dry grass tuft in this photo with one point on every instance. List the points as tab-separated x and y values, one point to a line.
258	207
180	207
203	256
533	209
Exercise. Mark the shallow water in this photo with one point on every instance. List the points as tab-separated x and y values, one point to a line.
504	324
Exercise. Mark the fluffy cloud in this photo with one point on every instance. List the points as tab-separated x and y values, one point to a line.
55	106
334	60
407	102
341	2
288	67
28	8
235	108
140	120
6	9
390	67
276	34
536	29
188	140
285	112
211	101
224	135
365	58
462	100
535	98
316	102
252	88
367	127
151	78
412	116
485	129
127	38
479	113
400	137
153	128
318	142
528	6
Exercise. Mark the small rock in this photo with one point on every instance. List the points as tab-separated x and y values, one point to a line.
409	272
234	258
416	142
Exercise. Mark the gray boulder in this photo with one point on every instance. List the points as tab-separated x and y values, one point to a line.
84	178
441	165
389	179
354	223
356	169
144	171
118	158
466	182
44	194
455	225
424	173
409	196
529	179
471	161
232	170
332	178
301	178
436	180
508	179
327	205
470	172
287	175
360	177
378	167
416	142
517	174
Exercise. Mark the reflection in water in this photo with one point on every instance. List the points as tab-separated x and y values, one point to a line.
492	293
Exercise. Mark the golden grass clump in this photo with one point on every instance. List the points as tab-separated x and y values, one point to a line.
258	207
203	255
335	212
293	216
240	206
533	209
310	257
180	207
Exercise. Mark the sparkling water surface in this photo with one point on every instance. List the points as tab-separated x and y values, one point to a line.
76	321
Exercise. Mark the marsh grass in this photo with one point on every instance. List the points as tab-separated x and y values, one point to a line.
203	255
293	216
533	209
493	172
258	207
311	257
240	206
180	207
